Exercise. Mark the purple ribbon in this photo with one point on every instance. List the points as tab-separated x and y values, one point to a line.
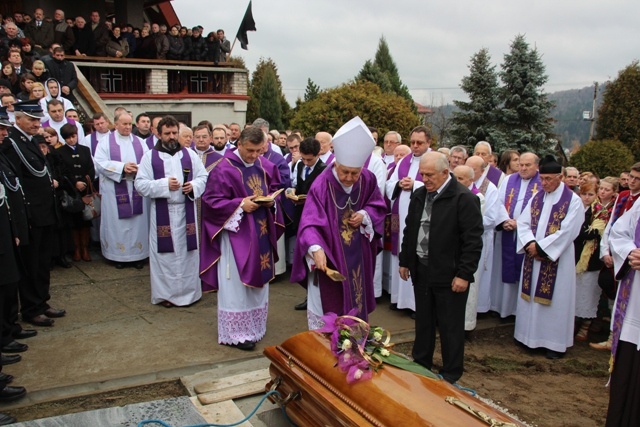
125	208
511	260
494	175
403	171
163	220
548	269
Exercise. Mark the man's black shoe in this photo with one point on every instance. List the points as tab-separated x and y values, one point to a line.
10	393
302	305
9	359
25	333
138	265
246	346
55	312
40	320
119	265
15	347
554	355
63	262
6	378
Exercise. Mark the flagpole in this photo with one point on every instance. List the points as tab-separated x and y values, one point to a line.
229	54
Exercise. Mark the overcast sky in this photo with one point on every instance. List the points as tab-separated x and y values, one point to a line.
430	41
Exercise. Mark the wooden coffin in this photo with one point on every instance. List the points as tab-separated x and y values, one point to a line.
303	371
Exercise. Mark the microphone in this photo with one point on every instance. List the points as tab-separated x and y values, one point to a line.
185	178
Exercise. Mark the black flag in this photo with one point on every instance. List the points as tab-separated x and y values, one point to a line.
247	24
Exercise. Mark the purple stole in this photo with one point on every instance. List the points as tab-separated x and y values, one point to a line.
47	123
484	186
287	158
624	202
163	223
125	208
255	183
366	163
403	171
511	260
149	141
548	269
351	249
622	301
474	189
391	166
494	175
330	159
94	142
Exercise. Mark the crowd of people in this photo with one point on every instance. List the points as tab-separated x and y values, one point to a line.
31	36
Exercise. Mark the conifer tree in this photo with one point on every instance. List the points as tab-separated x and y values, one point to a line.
526	118
312	90
270	106
479	119
253	109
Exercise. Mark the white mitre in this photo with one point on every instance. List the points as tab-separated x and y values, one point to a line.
353	143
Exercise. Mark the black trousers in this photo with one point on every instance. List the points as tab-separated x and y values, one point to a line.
36	259
5	290
439	306
9	315
624	391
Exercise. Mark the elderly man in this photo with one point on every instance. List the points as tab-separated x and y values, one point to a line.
172	176
34	173
404	180
491	210
392	139
441	247
203	148
124	227
263	125
185	136
239	236
513	196
457	156
546	231
62	32
340	229
495	175
571	177
326	153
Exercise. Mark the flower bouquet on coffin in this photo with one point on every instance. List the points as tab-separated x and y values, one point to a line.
362	349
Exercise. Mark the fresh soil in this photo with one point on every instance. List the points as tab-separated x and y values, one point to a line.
541	392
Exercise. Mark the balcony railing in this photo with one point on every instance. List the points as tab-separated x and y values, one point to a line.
139	76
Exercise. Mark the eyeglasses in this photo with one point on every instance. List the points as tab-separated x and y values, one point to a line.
634	177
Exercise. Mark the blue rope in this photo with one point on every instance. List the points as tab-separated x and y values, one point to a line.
466	389
269	393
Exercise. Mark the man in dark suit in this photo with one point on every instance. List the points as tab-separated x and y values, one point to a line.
440	250
38	186
40	32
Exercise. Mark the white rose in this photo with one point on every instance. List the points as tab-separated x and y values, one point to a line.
346	345
384	352
377	336
358	374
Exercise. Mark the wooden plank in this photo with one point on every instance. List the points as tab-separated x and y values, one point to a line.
243	390
225	412
232	381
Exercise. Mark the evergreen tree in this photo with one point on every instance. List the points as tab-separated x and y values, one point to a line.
479	119
384	72
526	117
312	91
620	109
270	106
253	109
387	65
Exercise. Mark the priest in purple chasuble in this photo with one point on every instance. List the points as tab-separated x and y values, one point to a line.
172	177
546	231
124	225
239	239
404	180
340	229
624	241
513	195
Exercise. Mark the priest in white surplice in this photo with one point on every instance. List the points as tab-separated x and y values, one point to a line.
514	194
403	181
464	174
489	214
546	231
124	228
173	237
